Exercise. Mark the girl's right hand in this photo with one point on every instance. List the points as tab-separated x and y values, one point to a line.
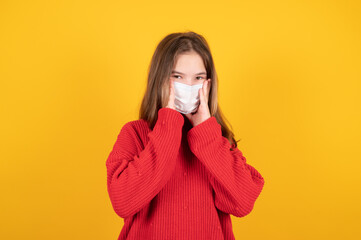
171	95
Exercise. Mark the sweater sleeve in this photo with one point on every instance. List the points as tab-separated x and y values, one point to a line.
135	177
236	184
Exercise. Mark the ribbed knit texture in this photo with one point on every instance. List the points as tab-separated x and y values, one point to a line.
178	181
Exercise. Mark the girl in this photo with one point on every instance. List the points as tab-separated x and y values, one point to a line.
176	173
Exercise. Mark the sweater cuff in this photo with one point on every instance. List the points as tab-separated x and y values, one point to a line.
204	134
169	117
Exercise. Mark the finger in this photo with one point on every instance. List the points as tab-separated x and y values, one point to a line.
172	88
171	94
201	96
208	87
204	87
206	90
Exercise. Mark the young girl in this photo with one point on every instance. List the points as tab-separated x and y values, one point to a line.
176	173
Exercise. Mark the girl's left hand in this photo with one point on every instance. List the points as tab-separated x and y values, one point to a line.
203	112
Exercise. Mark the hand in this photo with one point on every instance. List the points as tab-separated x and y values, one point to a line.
203	112
171	95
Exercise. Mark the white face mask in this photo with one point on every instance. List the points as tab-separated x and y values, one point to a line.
186	97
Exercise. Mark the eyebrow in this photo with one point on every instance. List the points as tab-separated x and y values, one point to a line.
195	74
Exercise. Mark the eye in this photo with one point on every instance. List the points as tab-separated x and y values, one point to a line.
200	77
176	76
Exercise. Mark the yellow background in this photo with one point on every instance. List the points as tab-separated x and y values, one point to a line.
73	72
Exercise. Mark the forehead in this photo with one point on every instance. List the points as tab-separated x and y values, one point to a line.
190	62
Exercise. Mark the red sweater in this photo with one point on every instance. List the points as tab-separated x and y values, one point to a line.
177	181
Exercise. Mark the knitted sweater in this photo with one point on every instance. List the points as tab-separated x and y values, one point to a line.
177	181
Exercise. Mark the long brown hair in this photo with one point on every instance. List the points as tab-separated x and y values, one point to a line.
159	72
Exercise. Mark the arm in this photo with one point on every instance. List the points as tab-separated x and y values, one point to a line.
135	177
236	184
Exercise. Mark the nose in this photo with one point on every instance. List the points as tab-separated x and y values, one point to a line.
190	82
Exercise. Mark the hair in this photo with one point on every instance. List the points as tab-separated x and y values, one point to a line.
159	72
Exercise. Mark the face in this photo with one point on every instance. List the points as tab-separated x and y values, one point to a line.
189	69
